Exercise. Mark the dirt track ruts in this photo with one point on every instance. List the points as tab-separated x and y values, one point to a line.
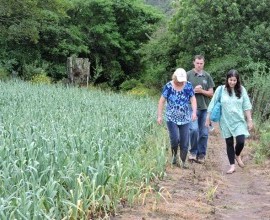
207	192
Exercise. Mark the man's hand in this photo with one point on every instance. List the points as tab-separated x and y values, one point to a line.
198	89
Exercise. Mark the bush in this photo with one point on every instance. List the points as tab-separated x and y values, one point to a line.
3	74
264	144
104	87
142	91
219	67
263	150
258	86
33	69
9	64
129	84
41	79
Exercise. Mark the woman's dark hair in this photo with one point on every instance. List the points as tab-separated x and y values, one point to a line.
237	88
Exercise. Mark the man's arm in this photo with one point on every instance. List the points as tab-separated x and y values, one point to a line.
209	93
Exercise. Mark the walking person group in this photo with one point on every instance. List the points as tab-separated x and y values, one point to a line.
189	104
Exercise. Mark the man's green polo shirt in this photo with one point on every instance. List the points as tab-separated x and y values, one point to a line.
206	81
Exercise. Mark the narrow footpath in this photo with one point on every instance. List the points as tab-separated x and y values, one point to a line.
205	191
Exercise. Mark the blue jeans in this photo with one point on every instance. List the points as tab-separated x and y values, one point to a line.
199	134
179	136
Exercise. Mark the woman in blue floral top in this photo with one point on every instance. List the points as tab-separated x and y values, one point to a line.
178	93
235	121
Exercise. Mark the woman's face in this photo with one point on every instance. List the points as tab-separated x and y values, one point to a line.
232	81
178	83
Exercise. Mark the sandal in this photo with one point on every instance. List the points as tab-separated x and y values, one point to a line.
231	170
239	161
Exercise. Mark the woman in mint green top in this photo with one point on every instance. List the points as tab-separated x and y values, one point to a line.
236	109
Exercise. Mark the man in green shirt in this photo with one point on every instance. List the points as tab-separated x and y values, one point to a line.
203	85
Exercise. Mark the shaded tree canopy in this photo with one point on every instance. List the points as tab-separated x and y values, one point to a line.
129	39
42	34
229	33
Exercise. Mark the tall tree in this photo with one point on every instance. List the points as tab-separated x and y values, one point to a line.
37	32
114	31
25	25
229	33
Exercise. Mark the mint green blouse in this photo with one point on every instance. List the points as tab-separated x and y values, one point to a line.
232	122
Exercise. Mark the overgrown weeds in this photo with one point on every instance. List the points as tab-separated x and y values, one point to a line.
262	149
258	87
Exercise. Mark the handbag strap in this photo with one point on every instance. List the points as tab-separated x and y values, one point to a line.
219	94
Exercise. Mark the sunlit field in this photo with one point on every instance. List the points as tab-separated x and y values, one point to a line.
70	153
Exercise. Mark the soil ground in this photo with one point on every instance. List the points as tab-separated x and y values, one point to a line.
205	191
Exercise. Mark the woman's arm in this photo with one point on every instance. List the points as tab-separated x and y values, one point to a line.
194	108
207	120
249	119
247	108
160	109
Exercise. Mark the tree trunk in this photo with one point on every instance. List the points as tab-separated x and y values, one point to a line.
78	70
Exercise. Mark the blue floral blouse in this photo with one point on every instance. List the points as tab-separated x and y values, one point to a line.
178	103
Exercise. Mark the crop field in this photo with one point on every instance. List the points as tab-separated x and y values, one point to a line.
70	153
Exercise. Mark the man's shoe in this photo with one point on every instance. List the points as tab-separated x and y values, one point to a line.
192	157
201	159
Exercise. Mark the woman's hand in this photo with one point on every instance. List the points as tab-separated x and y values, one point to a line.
194	116
250	125
161	103
207	121
159	120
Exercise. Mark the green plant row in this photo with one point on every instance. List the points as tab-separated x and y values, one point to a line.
69	153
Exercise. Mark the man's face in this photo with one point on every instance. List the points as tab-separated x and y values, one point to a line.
198	65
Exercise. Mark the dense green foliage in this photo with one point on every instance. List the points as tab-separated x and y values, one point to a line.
69	153
258	87
122	41
230	34
114	31
27	35
262	150
158	58
164	5
37	34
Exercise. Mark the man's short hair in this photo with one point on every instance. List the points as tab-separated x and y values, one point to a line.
199	57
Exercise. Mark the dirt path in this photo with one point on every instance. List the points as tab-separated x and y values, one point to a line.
207	192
